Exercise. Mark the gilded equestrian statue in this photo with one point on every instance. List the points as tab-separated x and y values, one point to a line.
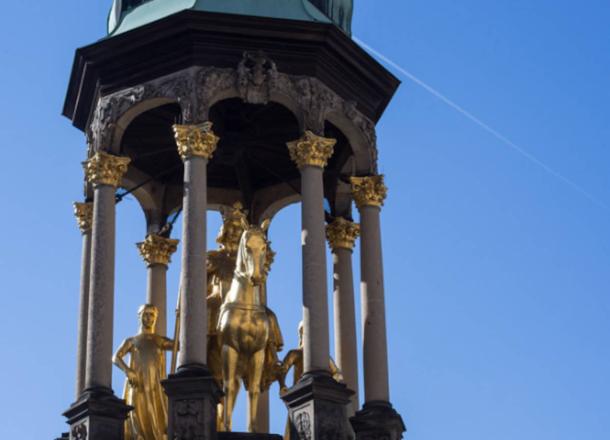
244	325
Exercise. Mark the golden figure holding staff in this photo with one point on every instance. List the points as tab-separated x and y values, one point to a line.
145	372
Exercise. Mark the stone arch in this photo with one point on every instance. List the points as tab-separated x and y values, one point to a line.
363	144
125	119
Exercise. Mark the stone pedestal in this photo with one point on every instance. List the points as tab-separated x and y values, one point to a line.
192	399
378	421
97	415
318	408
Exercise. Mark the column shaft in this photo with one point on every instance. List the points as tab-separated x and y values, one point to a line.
156	294
83	316
101	290
193	316
316	350
375	351
346	351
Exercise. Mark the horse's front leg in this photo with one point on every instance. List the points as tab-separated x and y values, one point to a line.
230	357
255	375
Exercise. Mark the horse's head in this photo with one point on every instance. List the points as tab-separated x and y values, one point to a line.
252	254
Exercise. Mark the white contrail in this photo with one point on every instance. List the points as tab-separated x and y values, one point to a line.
483	125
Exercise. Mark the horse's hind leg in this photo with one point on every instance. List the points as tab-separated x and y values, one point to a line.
255	374
230	358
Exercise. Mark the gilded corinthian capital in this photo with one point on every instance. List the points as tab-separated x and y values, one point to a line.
105	169
311	150
369	191
342	234
157	250
195	140
84	216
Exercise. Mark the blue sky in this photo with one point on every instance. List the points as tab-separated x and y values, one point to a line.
497	272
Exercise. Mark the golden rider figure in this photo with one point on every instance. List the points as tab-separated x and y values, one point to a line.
145	371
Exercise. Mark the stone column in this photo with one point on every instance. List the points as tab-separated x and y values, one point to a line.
311	154
377	419
84	218
342	235
192	392
156	252
317	404
98	412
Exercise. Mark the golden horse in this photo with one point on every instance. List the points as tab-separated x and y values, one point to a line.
244	325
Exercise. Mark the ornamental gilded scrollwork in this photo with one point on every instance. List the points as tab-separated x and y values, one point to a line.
157	250
84	216
342	234
369	190
105	169
195	140
311	150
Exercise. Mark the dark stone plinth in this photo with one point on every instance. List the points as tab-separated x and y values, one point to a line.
317	408
64	436
193	395
97	415
247	436
378	421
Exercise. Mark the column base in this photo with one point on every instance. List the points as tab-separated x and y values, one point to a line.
193	395
317	408
97	415
378	421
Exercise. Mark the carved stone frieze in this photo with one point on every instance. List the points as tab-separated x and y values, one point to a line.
256	77
189	419
105	169
303	426
79	432
311	150
213	84
157	250
255	80
107	112
369	190
342	234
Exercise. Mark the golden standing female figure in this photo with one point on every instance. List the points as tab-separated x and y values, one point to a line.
146	370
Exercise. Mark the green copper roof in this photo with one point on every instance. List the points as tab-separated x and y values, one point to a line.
130	14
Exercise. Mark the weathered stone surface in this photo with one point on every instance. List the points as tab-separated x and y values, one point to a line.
318	409
97	415
247	436
378	421
192	397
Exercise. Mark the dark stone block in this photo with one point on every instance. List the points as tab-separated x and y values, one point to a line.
193	395
247	436
97	415
378	421
317	407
